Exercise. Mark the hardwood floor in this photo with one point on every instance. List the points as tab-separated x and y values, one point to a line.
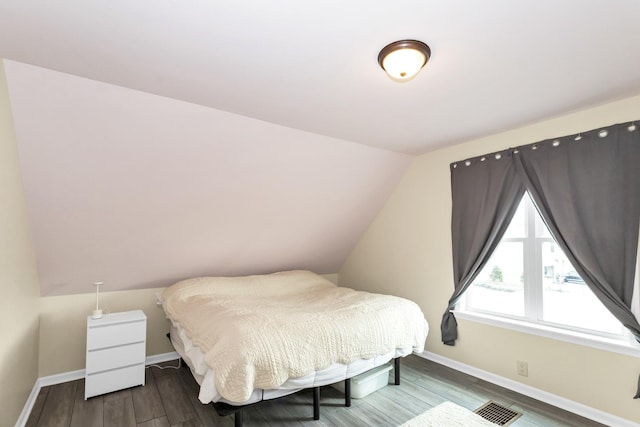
169	399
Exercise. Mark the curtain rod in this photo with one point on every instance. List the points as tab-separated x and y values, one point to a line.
601	132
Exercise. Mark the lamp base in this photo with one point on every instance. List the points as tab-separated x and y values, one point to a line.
97	314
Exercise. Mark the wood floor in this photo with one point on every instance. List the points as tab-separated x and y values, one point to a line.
169	399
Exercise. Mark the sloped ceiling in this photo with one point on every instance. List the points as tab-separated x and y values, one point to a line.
139	190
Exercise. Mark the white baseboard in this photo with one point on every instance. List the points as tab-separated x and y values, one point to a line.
72	376
159	358
550	398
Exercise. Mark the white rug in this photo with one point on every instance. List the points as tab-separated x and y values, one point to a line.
448	414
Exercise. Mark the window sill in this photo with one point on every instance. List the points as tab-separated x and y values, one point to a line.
601	343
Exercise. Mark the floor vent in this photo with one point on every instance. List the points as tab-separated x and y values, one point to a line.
497	413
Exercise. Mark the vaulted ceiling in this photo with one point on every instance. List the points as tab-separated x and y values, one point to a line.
160	140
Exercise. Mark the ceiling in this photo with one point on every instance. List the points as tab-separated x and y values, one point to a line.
312	65
160	140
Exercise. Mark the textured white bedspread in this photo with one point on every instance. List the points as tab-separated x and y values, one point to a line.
259	331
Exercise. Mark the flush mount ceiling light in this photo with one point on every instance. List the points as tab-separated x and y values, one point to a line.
402	60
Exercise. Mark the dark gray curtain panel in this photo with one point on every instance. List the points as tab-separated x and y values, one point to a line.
588	193
587	190
486	192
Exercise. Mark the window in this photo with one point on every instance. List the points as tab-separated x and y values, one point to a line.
528	278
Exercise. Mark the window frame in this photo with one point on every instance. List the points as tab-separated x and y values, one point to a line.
532	322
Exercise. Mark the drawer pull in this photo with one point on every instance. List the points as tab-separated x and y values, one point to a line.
114	346
113	369
124	322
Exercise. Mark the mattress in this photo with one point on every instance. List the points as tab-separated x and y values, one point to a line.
205	376
259	337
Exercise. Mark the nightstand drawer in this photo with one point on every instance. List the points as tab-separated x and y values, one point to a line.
109	381
115	357
110	335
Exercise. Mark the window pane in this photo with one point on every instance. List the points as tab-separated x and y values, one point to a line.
541	227
499	287
566	298
517	225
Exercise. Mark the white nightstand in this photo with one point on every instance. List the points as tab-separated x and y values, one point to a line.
115	352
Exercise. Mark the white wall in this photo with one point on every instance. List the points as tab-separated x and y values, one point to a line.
407	251
18	278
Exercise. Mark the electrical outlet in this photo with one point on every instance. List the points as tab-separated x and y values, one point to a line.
523	368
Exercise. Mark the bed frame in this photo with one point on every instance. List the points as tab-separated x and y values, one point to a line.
224	409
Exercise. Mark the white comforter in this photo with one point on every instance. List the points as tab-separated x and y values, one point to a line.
258	331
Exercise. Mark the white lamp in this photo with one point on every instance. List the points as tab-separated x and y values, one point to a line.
403	60
97	313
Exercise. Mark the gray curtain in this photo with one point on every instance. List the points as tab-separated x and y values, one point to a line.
486	192
587	189
588	193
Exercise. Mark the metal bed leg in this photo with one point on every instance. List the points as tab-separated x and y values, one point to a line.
396	370
316	403
237	421
347	392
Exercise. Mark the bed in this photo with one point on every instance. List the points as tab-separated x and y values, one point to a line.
253	338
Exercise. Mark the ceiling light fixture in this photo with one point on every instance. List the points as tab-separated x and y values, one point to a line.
402	60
